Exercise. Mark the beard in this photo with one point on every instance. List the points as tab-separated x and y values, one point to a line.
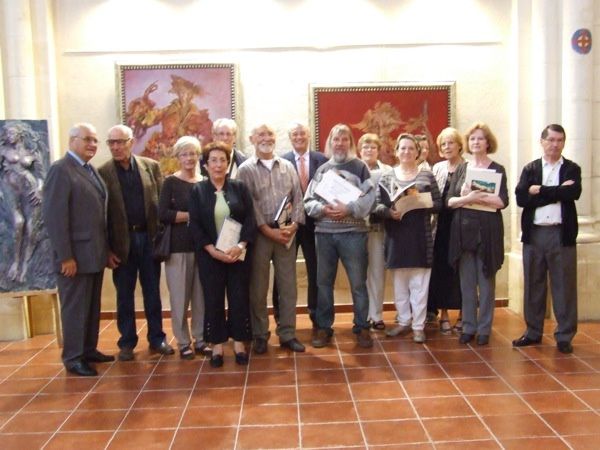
340	157
266	148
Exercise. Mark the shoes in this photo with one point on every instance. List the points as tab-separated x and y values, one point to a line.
125	354
564	347
379	325
431	317
260	346
216	361
186	353
445	327
465	338
364	338
82	369
98	357
202	348
398	330
241	359
293	344
458	326
321	339
163	349
419	336
524	341
483	339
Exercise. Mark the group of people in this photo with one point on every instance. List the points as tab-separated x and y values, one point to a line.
231	217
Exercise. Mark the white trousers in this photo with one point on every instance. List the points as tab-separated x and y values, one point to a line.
376	274
411	288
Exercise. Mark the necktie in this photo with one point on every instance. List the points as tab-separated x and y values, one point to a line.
303	174
93	175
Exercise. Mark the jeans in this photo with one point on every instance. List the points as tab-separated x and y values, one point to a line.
351	248
125	277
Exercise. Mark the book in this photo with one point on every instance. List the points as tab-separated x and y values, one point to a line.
229	236
333	188
283	218
486	180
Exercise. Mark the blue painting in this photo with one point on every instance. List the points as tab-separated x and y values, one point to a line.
25	251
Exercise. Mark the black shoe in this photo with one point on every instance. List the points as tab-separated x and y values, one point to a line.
216	361
99	357
483	339
163	349
466	338
186	353
321	339
293	344
126	354
260	346
241	358
564	347
524	341
82	369
203	349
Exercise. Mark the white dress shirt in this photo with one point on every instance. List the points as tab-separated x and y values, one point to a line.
549	214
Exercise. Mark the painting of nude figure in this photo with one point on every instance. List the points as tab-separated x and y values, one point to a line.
163	102
384	109
25	253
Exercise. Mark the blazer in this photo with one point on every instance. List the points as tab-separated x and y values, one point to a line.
566	195
316	160
74	212
118	227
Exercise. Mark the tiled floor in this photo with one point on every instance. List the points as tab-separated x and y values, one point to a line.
440	395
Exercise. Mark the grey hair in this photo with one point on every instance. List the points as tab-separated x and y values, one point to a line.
186	142
124	129
224	122
76	129
295	125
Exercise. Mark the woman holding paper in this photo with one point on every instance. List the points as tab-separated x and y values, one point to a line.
408	234
181	269
478	192
220	206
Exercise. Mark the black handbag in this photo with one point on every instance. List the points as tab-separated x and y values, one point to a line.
161	245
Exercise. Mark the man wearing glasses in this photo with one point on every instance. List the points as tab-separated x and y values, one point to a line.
134	184
547	190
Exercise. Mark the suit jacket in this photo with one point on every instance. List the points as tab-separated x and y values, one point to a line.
118	227
74	211
316	159
566	195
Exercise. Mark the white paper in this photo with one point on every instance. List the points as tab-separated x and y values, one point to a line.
333	187
230	236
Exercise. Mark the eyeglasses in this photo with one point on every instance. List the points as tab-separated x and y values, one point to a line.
117	141
88	139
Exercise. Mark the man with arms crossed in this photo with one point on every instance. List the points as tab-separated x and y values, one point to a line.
547	190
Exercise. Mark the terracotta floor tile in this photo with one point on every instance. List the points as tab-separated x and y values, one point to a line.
269	415
131	368
410	358
515	368
468	370
13	403
311	362
278	378
423	372
15	387
36	422
5	417
118	384
517	426
24	441
395	432
558	401
482	386
498	405
343	434
456	429
591	397
96	440
469	445
268	437
148	440
500	354
94	420
54	402
385	390
534	383
429	388
108	400
217	438
368	360
580	380
385	410
16	356
265	364
327	412
325	376
165	382
66	384
325	393
37	371
442	407
535	443
216	397
155	418
211	416
574	422
270	394
179	367
456	356
370	374
394	345
589	442
162	399
565	365
212	380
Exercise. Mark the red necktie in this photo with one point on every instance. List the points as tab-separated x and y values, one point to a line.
303	174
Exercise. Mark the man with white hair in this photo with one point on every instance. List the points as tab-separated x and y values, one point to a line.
134	184
274	186
225	130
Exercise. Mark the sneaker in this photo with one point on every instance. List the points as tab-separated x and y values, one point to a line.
321	338
419	336
364	339
398	330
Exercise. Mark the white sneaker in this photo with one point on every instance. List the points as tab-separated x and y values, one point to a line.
419	336
398	330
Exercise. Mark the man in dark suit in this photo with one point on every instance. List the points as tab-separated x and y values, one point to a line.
547	190
133	184
80	246
306	163
225	130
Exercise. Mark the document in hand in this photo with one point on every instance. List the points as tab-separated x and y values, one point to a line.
333	187
486	180
283	217
407	198
230	236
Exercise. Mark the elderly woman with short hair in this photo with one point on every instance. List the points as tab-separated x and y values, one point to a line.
181	269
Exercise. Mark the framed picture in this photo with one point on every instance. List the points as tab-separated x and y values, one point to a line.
162	102
386	109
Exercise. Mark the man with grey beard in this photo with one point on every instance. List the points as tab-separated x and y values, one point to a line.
273	183
341	234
